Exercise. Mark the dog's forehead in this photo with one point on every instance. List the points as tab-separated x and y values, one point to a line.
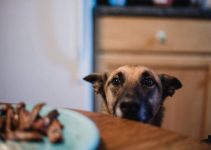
133	71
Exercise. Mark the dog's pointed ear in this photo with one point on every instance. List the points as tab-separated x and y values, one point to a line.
98	81
169	84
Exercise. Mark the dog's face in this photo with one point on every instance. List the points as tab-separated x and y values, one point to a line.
134	92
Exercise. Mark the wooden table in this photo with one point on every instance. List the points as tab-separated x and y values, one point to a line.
121	134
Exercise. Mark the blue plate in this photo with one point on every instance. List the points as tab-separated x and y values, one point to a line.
79	133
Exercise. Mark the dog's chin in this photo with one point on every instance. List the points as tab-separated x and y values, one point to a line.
133	117
140	117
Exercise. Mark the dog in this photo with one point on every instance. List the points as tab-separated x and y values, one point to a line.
134	92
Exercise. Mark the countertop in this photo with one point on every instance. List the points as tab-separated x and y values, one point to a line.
117	133
178	12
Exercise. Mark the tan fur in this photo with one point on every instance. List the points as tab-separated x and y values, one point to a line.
132	74
164	86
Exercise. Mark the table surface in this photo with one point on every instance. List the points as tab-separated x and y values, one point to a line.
117	133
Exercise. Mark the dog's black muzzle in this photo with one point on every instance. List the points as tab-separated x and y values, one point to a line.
136	110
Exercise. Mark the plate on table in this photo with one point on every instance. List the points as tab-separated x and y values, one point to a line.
79	133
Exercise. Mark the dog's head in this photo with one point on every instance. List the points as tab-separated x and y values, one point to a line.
134	92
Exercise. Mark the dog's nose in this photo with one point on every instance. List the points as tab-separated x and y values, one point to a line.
130	107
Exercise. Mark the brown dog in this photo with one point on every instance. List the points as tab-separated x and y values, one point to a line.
134	92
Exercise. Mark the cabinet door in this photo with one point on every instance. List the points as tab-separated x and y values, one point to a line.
185	111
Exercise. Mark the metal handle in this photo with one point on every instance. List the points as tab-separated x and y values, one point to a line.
161	36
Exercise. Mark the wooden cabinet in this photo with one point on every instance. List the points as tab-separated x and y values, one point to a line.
180	47
142	34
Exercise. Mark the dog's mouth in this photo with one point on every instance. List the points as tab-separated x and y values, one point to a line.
137	117
135	112
132	117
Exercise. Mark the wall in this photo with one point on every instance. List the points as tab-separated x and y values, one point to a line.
42	55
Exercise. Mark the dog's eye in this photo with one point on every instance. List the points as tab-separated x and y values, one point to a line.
147	82
116	81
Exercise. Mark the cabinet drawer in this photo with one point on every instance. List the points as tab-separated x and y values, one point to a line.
153	34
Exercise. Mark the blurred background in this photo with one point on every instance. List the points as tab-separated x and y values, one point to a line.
45	51
47	47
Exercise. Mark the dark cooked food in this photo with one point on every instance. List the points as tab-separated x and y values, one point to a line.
54	131
19	124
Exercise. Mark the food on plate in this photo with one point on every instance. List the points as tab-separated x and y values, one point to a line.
54	131
19	124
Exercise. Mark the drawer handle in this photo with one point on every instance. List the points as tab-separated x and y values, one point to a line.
161	36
